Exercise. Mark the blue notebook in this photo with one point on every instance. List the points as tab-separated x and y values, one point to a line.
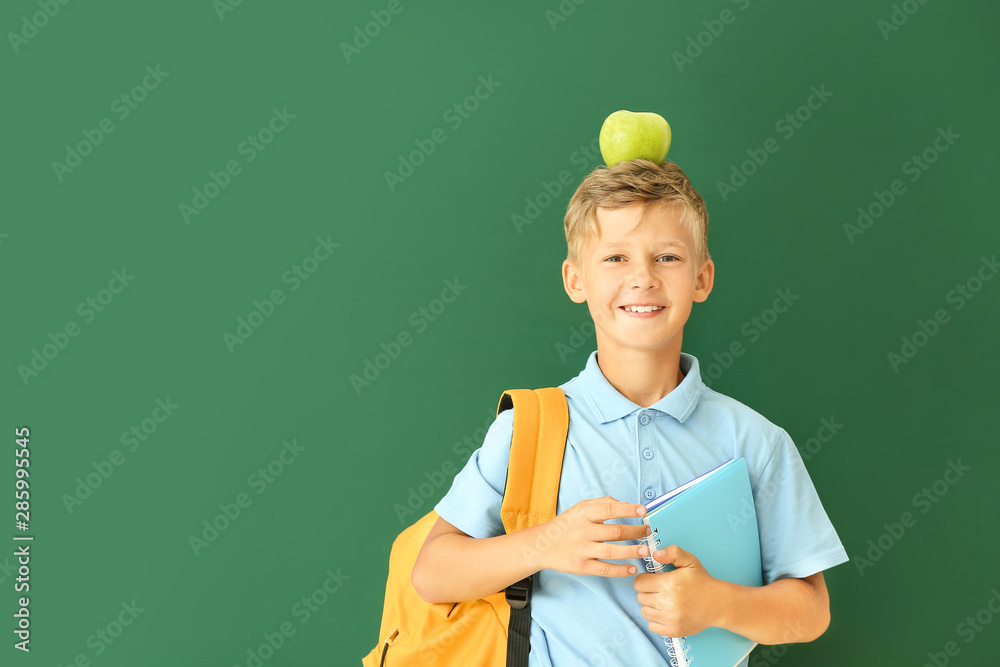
712	517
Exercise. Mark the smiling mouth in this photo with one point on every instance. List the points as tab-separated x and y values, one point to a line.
641	309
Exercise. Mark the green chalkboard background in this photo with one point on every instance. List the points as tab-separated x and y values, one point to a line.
184	388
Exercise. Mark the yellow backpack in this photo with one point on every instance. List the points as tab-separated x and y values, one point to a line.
495	630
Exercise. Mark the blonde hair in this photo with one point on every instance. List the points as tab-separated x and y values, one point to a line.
629	182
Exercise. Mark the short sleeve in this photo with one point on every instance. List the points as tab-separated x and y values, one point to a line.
797	538
472	504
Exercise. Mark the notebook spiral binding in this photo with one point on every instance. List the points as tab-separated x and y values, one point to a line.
677	648
652	565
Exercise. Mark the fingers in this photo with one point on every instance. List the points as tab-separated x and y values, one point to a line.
602	569
618	551
603	509
596	559
618	532
674	555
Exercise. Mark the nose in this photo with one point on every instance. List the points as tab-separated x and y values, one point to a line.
643	275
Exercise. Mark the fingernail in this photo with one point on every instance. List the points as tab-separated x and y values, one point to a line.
641	510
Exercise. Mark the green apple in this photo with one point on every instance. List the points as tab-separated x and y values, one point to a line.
626	135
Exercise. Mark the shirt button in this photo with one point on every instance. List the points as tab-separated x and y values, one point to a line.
649	493
644	419
647	454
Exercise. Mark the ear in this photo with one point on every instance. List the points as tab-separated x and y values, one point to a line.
572	282
704	280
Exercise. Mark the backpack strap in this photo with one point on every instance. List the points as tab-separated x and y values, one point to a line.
532	488
530	497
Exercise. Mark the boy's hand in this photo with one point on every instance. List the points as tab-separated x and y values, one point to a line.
577	538
681	602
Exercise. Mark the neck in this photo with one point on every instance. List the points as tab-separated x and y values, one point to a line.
642	376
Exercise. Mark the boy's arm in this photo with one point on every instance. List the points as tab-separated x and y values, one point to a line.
453	566
687	600
785	611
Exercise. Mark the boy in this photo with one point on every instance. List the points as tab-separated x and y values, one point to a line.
641	422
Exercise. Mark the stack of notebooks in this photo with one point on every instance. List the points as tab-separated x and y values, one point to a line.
713	518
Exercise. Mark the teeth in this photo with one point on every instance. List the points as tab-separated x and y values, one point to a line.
643	309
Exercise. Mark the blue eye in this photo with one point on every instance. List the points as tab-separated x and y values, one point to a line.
618	258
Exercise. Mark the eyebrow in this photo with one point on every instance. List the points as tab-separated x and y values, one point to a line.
665	244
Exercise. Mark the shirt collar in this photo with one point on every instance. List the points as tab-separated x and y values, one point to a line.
609	405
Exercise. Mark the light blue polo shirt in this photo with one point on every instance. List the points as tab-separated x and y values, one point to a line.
617	448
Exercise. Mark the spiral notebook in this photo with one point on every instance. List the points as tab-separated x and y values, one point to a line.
712	517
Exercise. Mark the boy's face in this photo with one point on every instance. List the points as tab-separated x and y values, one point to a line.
654	264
